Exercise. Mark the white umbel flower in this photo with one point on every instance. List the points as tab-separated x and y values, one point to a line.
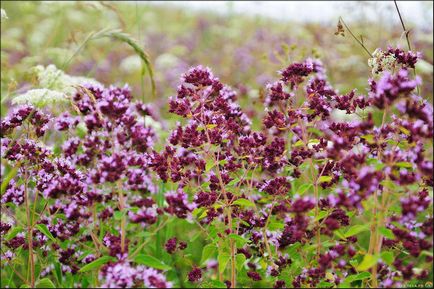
40	97
131	64
51	77
4	16
381	61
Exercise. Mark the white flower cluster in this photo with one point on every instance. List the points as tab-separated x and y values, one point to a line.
55	87
53	78
4	16
131	64
381	61
40	97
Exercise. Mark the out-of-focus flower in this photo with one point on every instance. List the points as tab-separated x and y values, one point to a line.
390	59
131	64
54	87
195	275
40	97
381	61
166	61
4	16
53	78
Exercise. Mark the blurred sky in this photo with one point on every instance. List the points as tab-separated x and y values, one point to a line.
419	13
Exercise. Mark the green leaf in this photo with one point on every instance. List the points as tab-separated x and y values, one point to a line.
240	260
118	215
13	233
58	272
211	126
199	213
217	284
427	253
303	188
315	131
299	143
321	215
353	262
212	231
240	240
233	182
354	230
151	262
44	230
207	252
8	178
404	130
368	261
243	203
325	284
324	179
314	141
357	277
96	264
274	225
386	233
209	165
387	257
293	248
45	283
369	138
223	259
340	234
404	165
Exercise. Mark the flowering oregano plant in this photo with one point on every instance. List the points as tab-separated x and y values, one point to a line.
330	190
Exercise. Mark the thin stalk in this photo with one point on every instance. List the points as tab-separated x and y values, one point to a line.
123	220
139	34
16	273
407	37
315	191
29	231
264	233
375	239
160	202
229	210
403	26
146	242
355	38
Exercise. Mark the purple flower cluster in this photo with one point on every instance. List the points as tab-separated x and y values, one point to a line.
305	181
123	274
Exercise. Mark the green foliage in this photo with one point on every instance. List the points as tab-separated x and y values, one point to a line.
151	262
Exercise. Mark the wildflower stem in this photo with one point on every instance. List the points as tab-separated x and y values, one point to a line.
123	220
229	210
17	273
316	196
29	231
375	239
403	26
146	242
355	38
407	37
315	189
264	232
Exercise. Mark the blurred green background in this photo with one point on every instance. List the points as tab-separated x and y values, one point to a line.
243	49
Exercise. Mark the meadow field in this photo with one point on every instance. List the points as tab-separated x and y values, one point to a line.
148	145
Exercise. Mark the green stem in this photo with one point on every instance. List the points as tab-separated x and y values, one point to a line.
355	38
407	37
